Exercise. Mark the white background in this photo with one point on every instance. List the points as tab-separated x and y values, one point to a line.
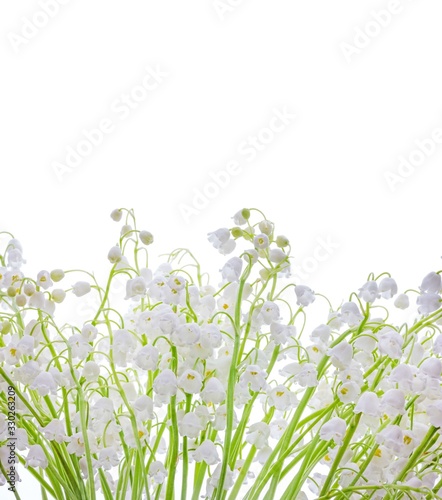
321	177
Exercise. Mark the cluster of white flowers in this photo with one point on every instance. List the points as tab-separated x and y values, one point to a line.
229	385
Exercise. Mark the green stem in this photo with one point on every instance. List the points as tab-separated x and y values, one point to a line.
331	475
185	455
174	444
231	386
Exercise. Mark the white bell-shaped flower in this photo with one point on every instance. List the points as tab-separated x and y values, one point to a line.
157	472
434	412
428	303
190	425
103	409
402	301
231	270
369	291
393	403
212	482
437	346
44	280
165	384
89	332
213	391
44	383
80	347
36	457
280	333
282	398
27	372
277	427
146	237
341	354
206	452
348	392
115	255
387	288
76	444
254	376
116	214
333	429
304	295
135	288
144	408
190	382
81	288
307	375
55	431
392	437
368	404
261	241
321	333
91	371
432	283
186	335
108	458
219	237
147	357
403	375
241	217
277	255
221	240
258	434
390	343
350	314
269	312
432	367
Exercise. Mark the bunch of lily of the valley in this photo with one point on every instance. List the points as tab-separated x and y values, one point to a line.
249	386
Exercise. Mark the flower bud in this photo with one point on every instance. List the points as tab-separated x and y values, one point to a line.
81	288
276	255
282	241
11	291
402	301
146	237
20	300
114	255
58	295
5	327
237	232
57	275
127	228
116	214
265	274
29	289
